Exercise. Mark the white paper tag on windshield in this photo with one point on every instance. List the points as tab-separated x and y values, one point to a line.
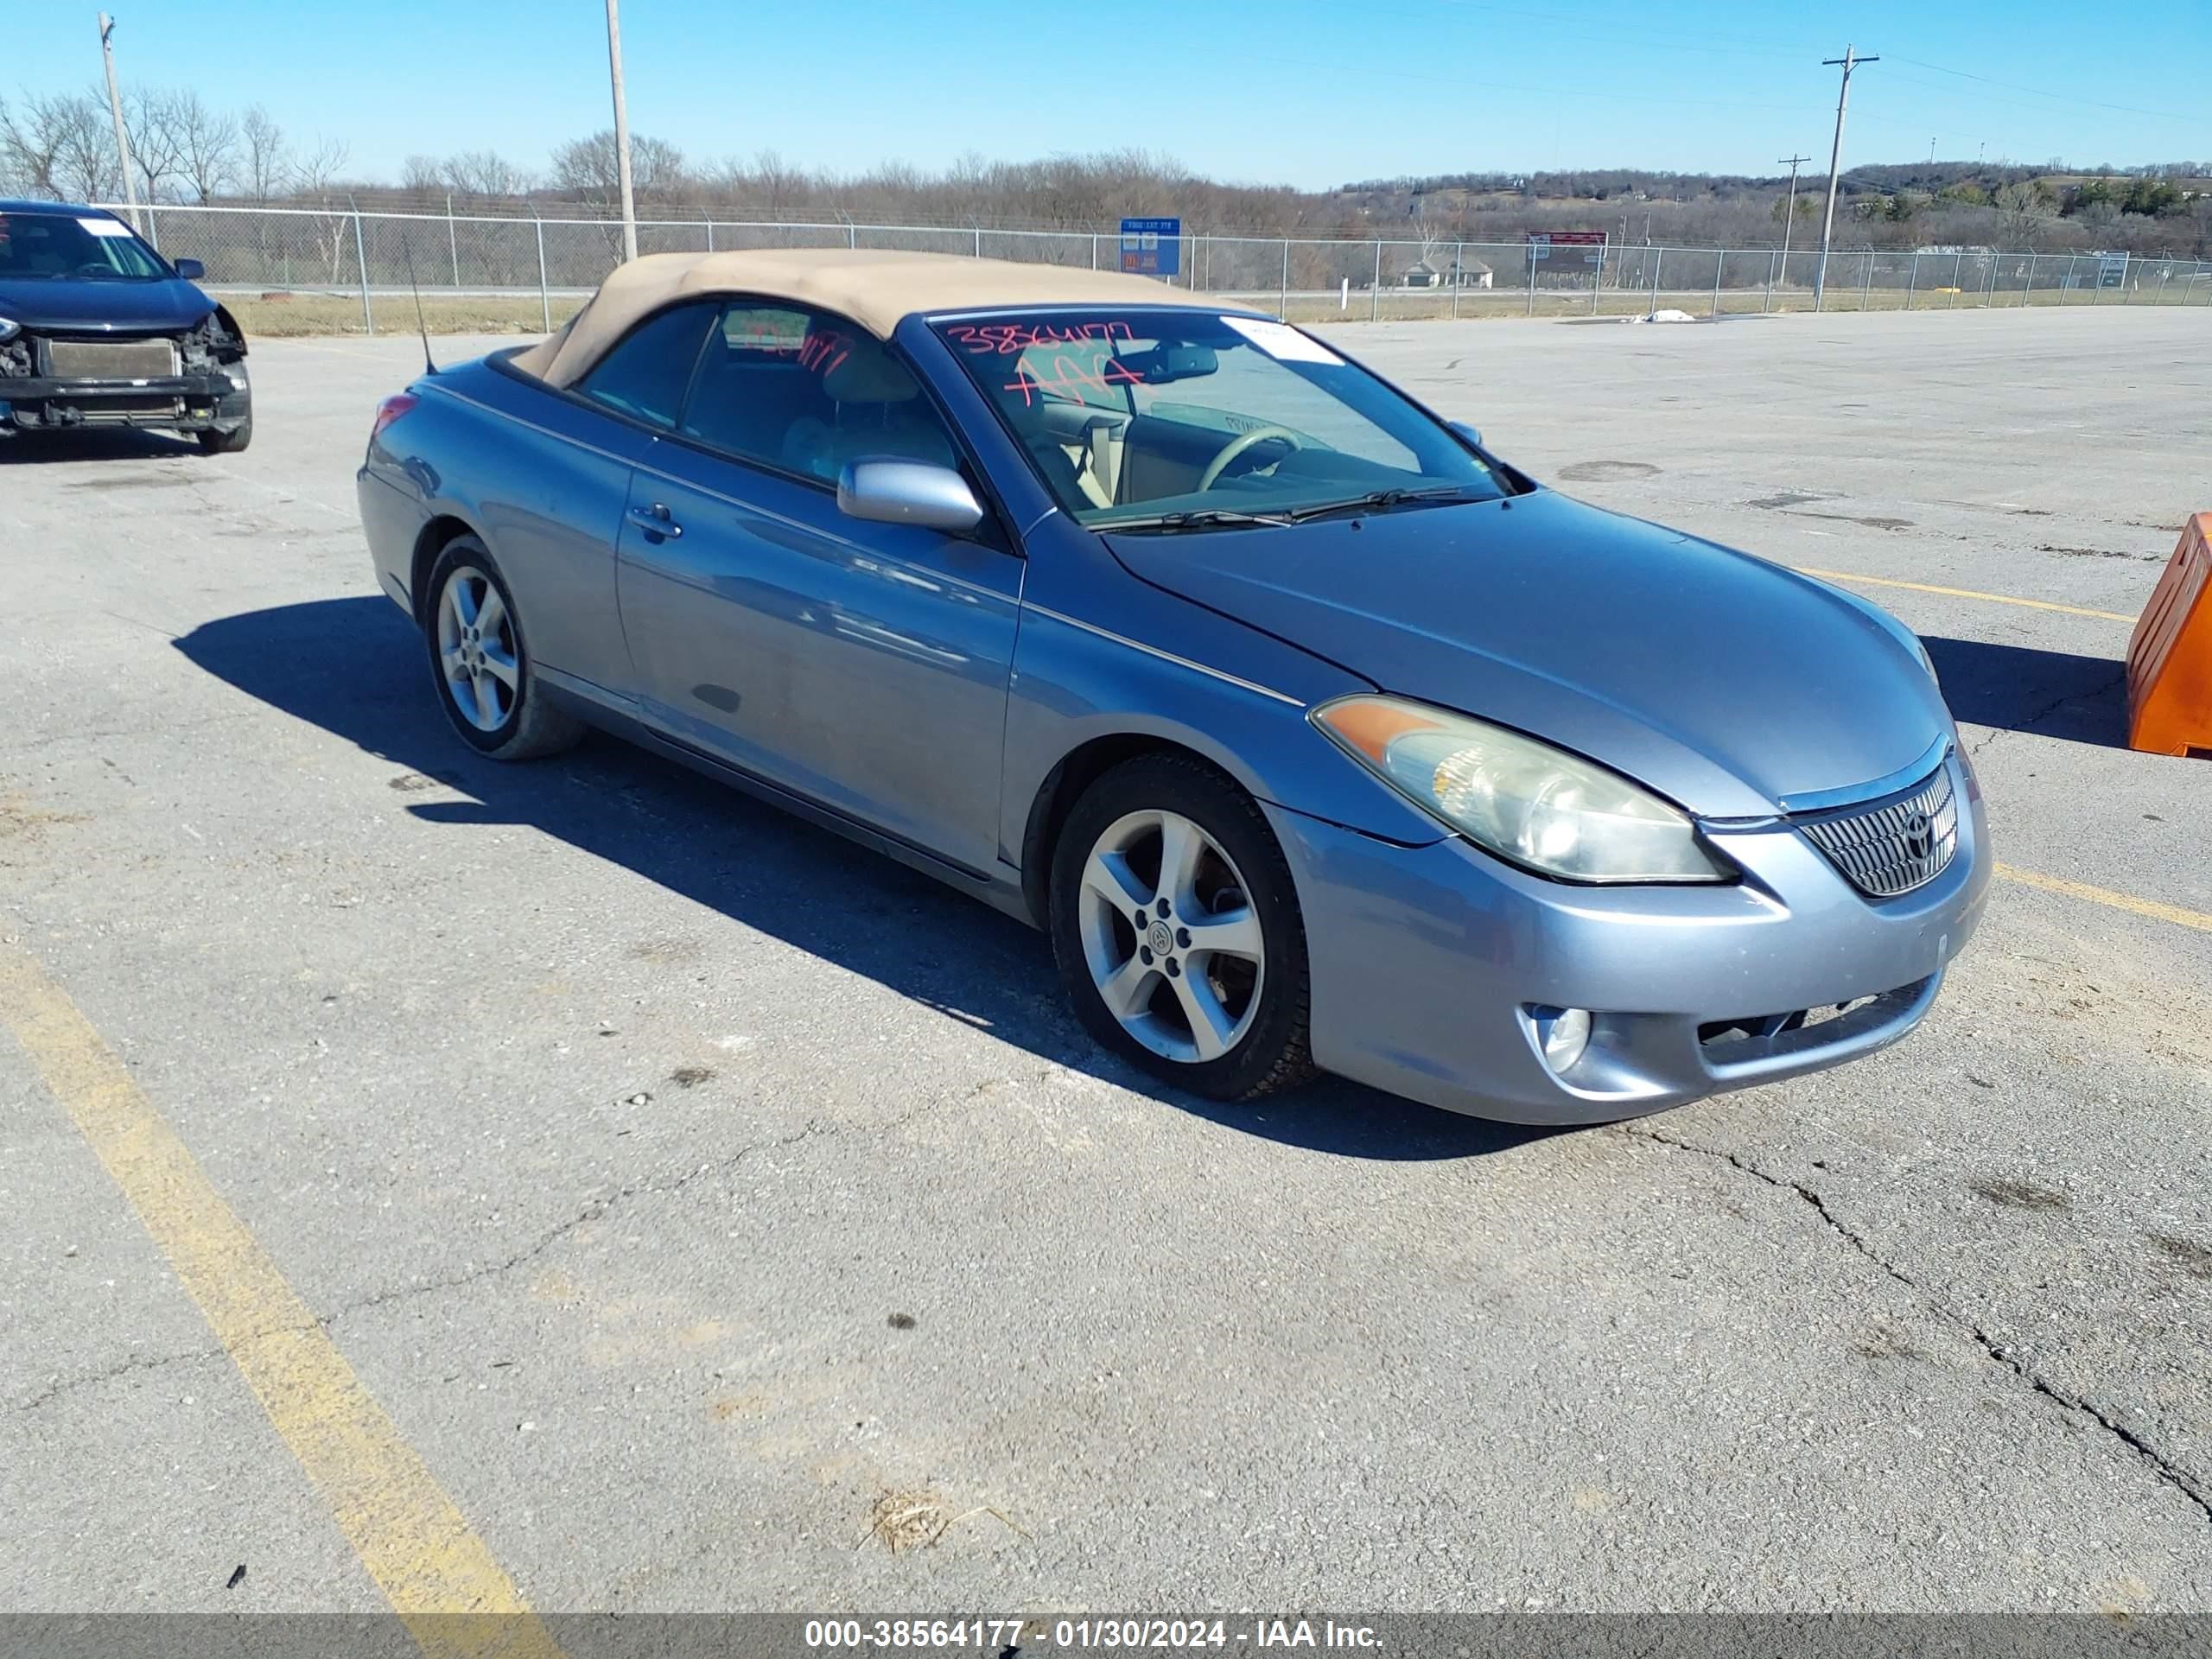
104	226
1280	340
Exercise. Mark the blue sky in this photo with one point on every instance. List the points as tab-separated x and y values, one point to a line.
1293	92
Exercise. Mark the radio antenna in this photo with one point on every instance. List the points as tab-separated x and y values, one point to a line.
407	246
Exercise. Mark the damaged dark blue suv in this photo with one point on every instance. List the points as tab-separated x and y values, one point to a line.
98	329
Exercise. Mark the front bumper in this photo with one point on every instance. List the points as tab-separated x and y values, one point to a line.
1426	961
184	402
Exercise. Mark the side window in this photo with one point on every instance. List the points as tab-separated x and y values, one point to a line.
646	372
804	391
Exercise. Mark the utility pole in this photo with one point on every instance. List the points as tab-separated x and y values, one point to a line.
621	132
115	109
1789	214
1835	159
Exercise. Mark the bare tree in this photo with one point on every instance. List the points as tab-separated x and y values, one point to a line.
151	117
207	145
62	146
779	183
483	173
584	168
2023	209
314	174
263	165
30	147
422	177
1433	234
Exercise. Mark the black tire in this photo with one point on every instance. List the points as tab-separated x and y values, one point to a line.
532	725
213	443
1273	1051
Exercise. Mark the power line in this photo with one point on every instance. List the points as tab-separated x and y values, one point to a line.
1342	68
1564	25
2033	92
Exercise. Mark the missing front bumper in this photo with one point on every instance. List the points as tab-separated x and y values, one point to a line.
188	402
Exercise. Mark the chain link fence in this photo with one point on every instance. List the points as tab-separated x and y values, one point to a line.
533	272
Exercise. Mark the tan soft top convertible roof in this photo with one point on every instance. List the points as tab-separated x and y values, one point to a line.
876	288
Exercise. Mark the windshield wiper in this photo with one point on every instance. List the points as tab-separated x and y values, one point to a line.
1381	501
1201	519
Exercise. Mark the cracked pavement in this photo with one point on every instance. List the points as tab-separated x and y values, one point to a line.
682	1181
2175	1478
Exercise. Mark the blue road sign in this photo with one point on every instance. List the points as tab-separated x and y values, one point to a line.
1152	247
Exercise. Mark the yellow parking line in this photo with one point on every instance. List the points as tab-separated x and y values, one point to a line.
1964	593
406	1531
2128	902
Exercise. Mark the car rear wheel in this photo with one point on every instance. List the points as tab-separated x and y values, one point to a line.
1176	927
479	659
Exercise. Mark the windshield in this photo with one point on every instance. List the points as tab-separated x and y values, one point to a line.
67	246
1144	414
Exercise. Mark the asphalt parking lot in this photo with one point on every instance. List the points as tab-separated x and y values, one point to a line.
704	1205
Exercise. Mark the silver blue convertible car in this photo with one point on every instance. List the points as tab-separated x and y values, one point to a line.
1314	734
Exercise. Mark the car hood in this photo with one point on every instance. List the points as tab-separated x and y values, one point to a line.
1731	685
166	307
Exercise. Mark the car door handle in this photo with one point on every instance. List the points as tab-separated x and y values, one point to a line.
655	521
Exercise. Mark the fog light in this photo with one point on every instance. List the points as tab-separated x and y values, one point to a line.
1564	1034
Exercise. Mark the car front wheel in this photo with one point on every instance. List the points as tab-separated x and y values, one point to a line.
1176	929
216	443
479	658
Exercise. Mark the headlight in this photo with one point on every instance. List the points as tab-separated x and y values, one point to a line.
1530	804
9	329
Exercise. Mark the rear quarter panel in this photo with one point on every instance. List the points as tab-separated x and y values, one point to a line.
543	480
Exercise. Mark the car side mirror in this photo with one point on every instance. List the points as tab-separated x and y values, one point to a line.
920	492
1471	434
191	270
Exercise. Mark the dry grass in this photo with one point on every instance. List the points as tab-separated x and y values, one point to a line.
297	316
904	1521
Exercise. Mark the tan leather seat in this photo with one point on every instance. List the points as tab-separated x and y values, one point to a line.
880	411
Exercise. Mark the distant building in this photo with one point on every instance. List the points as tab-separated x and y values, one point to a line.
1425	273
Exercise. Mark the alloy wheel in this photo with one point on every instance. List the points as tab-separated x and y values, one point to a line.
476	649
1170	937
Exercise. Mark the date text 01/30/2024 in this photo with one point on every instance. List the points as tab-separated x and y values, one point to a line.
996	1635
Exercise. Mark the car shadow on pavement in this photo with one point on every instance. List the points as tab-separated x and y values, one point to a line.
95	443
354	667
2022	689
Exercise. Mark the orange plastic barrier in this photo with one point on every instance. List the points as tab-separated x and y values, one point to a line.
2170	657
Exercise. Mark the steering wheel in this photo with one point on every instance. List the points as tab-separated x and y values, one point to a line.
1242	442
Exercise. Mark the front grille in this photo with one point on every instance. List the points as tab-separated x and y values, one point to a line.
1903	843
110	360
1718	1033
